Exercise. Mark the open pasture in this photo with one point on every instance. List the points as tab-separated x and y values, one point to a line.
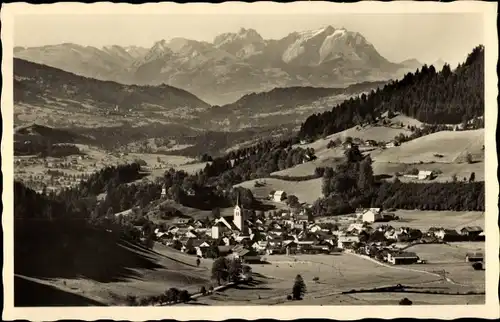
336	273
307	191
423	220
445	170
452	145
444	253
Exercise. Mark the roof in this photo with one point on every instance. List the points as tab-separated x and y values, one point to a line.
475	254
472	229
427	172
279	192
348	238
405	255
224	249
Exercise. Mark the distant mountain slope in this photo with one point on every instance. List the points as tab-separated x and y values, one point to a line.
67	99
280	106
40	132
234	64
446	97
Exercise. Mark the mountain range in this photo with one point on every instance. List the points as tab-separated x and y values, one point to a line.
232	65
53	97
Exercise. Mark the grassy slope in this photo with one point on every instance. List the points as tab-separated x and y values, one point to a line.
306	191
454	147
94	264
447	219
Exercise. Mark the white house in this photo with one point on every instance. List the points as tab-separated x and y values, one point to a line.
279	196
423	175
372	215
391	144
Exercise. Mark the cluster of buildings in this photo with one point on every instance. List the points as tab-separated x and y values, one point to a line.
291	232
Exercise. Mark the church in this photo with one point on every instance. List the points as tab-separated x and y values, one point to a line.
235	225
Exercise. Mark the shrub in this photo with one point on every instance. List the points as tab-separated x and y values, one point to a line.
478	266
289	297
131	300
316	279
203	290
405	301
184	296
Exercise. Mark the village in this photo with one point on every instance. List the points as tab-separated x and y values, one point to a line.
255	236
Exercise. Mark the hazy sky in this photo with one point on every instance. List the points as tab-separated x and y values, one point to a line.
426	37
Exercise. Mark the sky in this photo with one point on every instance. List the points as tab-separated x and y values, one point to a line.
426	37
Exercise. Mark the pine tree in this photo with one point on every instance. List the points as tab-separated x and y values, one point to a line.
365	179
299	288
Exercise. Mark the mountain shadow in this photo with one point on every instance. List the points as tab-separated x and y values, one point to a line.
45	249
28	294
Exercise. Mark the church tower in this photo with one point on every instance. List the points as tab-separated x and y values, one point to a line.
163	191
238	216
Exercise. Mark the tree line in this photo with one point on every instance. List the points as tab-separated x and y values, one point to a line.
352	185
444	97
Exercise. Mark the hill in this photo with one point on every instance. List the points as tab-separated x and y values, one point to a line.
65	99
74	260
279	106
232	65
40	132
445	97
440	147
307	191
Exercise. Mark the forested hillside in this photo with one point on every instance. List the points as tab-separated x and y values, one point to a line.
444	97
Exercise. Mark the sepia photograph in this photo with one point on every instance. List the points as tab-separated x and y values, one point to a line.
250	157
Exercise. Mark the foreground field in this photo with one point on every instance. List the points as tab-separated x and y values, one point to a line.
338	274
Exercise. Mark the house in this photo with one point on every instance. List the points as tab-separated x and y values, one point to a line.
279	196
347	241
124	213
370	143
164	192
447	234
391	144
425	175
372	215
355	228
402	258
471	231
181	221
260	246
314	228
474	257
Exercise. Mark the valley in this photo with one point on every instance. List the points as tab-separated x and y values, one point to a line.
372	190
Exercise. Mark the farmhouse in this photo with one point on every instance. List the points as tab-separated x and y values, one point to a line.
474	257
181	221
471	231
425	175
391	144
370	143
402	258
279	196
347	241
447	234
372	215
